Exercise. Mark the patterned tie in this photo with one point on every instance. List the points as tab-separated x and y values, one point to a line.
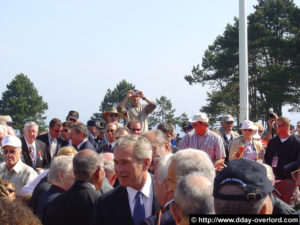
139	209
31	153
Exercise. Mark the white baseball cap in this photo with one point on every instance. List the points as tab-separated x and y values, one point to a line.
202	117
11	141
248	124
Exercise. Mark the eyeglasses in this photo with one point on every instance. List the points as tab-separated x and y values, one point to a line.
135	129
295	174
72	120
247	130
5	152
110	131
65	130
278	126
10	190
114	115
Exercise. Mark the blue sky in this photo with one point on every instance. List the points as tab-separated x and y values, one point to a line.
73	51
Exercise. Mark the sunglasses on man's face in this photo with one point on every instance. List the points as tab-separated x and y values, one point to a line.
114	115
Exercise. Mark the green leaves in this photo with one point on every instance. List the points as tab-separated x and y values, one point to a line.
22	102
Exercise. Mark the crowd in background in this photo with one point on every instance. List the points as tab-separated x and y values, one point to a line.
111	173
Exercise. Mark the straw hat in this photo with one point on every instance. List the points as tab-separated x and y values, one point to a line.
110	111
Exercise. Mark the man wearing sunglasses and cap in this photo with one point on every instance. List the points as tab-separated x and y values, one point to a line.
13	168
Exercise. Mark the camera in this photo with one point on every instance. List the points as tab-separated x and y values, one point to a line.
272	116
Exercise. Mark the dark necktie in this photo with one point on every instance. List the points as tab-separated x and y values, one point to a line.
139	209
109	148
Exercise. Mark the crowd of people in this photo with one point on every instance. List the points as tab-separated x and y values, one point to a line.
111	174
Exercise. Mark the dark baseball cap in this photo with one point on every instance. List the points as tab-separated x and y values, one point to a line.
248	175
73	114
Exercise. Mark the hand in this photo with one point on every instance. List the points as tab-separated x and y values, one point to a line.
129	93
140	94
240	151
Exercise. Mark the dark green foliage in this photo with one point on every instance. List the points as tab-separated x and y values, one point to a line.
22	102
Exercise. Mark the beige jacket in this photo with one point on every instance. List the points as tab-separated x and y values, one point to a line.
241	142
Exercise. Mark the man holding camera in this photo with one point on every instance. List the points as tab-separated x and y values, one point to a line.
137	111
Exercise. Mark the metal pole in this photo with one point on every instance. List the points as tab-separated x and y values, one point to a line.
243	62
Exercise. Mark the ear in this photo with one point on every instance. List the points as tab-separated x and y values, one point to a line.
147	163
167	147
175	213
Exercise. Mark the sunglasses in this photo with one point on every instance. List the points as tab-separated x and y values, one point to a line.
65	130
57	131
135	129
248	130
72	120
10	190
5	152
114	115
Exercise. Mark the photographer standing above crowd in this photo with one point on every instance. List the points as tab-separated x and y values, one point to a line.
137	111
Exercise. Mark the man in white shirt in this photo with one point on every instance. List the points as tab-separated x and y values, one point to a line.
134	199
13	168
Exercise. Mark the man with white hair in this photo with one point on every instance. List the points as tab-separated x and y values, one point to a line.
13	168
193	196
34	151
61	178
203	138
134	199
188	161
164	196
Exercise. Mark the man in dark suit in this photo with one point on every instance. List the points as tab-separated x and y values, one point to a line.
134	199
61	178
79	136
34	152
75	206
51	138
110	131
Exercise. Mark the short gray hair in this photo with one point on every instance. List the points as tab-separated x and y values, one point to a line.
193	196
162	169
159	137
60	163
141	146
84	165
109	166
30	124
80	127
166	126
193	160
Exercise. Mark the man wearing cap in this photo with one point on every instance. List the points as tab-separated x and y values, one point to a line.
137	111
13	168
93	130
186	127
283	155
243	188
73	116
227	133
204	139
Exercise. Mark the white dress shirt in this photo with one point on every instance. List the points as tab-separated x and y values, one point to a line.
147	191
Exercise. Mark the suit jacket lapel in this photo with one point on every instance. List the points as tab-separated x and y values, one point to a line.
125	211
26	155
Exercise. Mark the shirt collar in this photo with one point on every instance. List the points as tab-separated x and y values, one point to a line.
82	143
146	190
18	167
33	143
